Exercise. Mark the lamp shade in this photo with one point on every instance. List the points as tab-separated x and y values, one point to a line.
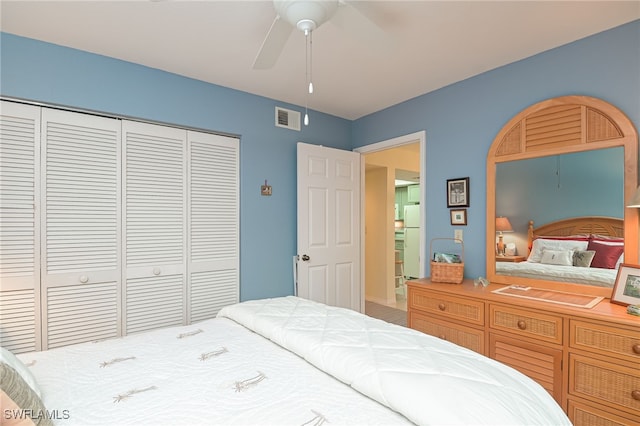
503	224
635	200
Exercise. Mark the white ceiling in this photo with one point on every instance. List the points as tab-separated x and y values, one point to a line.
430	44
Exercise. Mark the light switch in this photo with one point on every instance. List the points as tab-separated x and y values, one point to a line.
457	234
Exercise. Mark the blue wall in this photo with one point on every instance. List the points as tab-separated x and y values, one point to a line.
52	74
460	120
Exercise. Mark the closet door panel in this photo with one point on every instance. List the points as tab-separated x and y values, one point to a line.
81	226
19	227
213	223
155	226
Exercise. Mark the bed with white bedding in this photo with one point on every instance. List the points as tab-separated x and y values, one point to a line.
582	250
284	361
598	277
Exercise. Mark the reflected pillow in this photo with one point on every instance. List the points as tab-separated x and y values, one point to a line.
605	239
540	244
606	256
557	257
583	258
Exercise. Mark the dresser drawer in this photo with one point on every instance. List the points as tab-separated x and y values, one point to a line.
606	340
460	335
525	323
542	363
582	414
467	310
605	382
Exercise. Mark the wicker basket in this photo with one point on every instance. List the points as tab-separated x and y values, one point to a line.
441	272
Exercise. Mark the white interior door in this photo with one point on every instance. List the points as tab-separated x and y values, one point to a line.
81	227
19	226
155	226
329	268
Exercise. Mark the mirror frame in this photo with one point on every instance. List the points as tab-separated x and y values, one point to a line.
597	125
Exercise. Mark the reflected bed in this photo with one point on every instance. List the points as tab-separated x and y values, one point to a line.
583	250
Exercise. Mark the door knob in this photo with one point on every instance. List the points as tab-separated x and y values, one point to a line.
305	258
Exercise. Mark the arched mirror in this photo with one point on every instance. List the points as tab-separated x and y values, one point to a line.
562	169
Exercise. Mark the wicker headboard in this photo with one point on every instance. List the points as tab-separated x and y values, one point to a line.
609	226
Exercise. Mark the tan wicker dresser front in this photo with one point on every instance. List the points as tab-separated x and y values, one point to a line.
587	359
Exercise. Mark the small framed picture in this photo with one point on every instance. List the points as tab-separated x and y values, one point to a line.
626	290
458	216
458	192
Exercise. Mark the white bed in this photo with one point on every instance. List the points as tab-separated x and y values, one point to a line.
598	235
593	276
284	361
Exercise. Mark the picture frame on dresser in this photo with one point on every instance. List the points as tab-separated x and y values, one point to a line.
626	290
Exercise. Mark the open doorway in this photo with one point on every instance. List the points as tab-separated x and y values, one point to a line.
393	242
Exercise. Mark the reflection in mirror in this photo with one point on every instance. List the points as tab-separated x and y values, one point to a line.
552	188
568	157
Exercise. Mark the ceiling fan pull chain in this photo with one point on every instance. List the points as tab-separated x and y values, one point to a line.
310	61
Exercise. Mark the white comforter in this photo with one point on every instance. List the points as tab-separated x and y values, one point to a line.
211	373
428	380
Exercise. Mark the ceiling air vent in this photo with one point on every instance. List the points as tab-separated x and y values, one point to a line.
287	118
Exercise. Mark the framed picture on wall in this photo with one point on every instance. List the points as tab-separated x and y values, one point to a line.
458	192
458	216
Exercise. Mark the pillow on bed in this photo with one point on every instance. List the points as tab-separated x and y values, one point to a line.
577	237
605	239
7	357
20	404
557	257
611	241
583	258
607	256
541	244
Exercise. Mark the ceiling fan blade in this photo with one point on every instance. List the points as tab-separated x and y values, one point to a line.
273	44
349	18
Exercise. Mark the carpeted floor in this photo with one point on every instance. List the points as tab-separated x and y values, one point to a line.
395	316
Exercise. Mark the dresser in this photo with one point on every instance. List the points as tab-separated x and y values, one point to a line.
587	359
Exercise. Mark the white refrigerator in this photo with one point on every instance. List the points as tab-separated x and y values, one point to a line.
412	241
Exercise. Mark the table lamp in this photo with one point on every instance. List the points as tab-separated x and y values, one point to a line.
502	225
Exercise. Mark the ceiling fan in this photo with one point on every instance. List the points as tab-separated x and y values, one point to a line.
307	15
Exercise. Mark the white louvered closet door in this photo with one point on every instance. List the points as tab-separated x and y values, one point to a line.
81	227
213	223
155	226
19	227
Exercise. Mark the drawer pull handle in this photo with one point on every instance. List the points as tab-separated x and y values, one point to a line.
635	395
84	279
636	348
156	271
442	306
522	325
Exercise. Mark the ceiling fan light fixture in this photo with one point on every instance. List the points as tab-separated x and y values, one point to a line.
306	26
302	13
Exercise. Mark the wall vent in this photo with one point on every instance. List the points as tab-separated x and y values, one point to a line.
287	118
